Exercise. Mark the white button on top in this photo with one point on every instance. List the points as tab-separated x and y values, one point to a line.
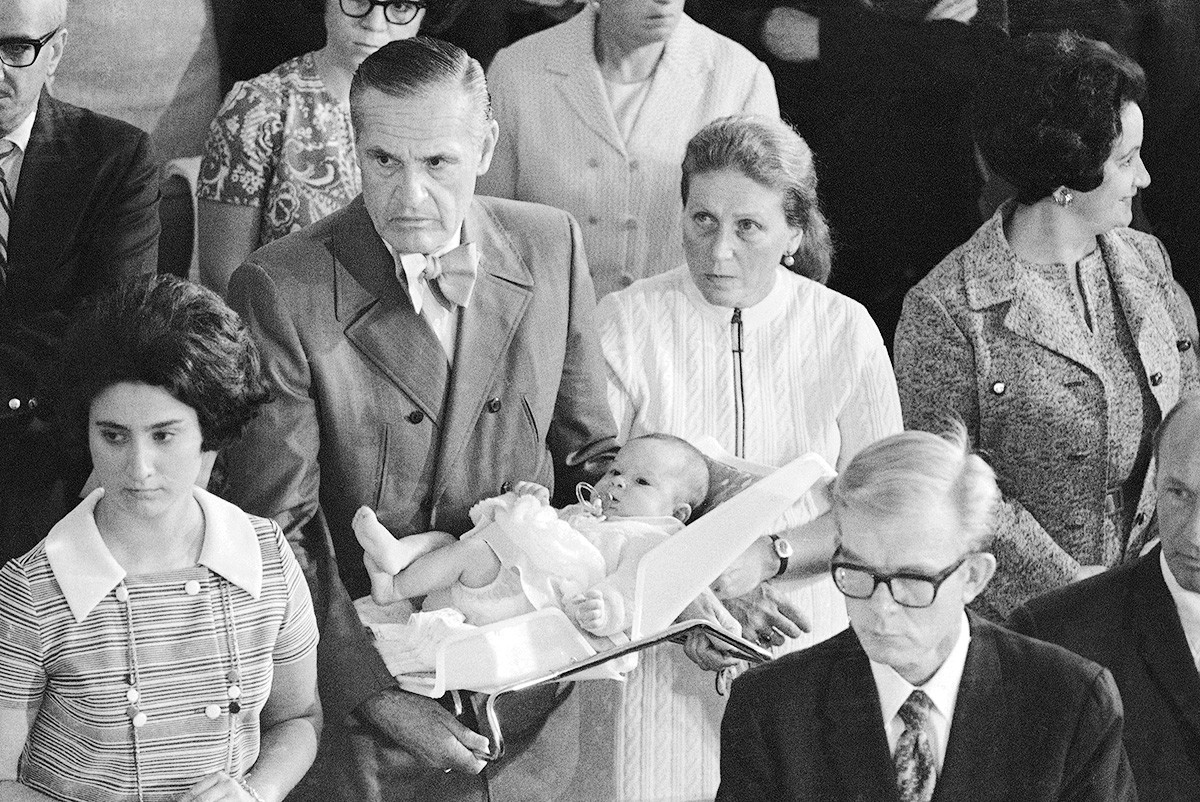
132	695
235	692
14	403
122	594
139	720
213	711
191	587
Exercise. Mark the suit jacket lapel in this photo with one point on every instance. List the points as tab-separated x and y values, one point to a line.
503	289
379	317
854	738
580	83
972	753
1149	321
1163	646
48	181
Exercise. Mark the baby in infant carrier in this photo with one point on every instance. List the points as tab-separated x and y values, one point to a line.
522	555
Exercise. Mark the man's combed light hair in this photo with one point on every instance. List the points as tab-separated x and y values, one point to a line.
414	67
907	473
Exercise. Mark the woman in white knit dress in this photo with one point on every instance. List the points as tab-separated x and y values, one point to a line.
743	343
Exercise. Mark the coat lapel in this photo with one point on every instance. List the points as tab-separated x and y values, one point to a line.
678	80
1163	646
503	289
1142	300
49	180
379	318
854	738
993	274
973	752
580	82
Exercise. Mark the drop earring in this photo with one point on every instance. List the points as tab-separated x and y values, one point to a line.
788	260
1063	197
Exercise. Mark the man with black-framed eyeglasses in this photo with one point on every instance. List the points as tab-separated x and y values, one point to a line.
78	211
919	699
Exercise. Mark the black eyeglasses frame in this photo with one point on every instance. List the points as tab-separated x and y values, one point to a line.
36	44
387	6
886	579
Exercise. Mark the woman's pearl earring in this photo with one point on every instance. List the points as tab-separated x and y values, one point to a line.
788	260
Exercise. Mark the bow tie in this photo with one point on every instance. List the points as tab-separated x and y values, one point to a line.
452	274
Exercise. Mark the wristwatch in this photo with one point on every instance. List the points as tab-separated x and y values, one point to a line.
783	550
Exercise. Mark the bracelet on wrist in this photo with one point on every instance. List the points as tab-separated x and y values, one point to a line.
249	789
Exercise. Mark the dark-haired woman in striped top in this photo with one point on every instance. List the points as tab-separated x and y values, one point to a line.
159	643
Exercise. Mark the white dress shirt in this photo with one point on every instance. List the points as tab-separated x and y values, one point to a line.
942	689
442	319
11	164
1187	604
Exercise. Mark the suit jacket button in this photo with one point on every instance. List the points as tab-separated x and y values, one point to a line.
1155	379
493	405
416	416
999	388
504	488
14	404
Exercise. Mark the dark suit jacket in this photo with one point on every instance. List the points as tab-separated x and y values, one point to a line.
367	410
1125	620
85	215
1032	722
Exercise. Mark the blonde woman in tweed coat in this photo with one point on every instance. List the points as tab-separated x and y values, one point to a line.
594	114
810	373
1055	332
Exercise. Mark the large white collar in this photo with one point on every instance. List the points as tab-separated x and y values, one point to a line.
87	572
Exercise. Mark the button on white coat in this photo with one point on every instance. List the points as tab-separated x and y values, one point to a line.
212	711
122	594
191	587
139	720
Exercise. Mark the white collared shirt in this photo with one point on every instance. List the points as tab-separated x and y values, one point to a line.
11	164
87	571
442	320
942	689
1187	604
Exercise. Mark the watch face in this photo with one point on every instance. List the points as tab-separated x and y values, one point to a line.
782	548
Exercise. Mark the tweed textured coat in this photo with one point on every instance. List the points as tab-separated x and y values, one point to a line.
985	338
560	143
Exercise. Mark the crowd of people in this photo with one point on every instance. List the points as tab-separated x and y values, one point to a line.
429	293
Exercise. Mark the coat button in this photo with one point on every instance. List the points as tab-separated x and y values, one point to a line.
504	488
122	594
191	587
633	165
999	388
631	224
416	416
1184	344
593	162
593	220
1155	379
14	404
493	405
213	712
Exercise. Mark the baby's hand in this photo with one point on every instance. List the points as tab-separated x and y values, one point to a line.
597	612
539	492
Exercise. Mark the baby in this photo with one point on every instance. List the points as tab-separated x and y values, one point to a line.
522	556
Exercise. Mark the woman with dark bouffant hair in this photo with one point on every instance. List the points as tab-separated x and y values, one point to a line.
159	643
744	344
1055	332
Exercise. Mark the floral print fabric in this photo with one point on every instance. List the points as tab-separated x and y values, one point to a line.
281	143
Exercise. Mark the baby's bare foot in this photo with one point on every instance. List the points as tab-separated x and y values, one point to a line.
389	554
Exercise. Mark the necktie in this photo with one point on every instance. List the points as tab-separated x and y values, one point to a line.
916	770
6	202
451	275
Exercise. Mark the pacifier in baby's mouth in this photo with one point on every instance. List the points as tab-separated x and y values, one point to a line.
589	499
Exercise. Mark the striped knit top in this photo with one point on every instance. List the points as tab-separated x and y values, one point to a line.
67	652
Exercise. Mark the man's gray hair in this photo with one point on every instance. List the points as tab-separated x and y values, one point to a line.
417	66
907	473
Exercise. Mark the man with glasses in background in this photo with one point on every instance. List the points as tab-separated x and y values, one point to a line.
919	697
78	210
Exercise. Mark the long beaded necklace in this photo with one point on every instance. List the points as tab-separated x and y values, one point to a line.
233	676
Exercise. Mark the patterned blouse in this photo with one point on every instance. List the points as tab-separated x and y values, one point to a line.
131	675
281	143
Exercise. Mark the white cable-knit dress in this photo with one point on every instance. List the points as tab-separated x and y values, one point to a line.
816	378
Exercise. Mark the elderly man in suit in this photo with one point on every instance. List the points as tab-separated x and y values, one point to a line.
427	349
78	210
919	700
1142	622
